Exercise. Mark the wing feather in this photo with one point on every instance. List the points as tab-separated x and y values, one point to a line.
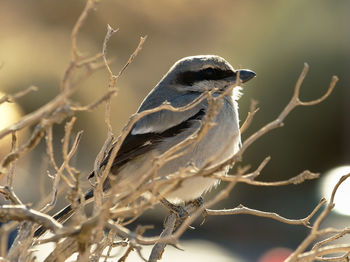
135	145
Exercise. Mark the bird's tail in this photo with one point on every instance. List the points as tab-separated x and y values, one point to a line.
64	214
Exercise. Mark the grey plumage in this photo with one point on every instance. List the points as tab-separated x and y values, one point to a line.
156	133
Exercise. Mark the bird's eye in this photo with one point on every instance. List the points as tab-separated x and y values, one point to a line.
209	71
190	77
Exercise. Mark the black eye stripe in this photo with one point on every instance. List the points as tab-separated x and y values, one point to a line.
190	77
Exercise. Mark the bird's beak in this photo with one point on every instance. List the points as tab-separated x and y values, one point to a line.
245	75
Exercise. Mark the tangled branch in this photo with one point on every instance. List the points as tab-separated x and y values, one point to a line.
114	211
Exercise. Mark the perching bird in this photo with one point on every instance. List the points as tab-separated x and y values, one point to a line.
156	133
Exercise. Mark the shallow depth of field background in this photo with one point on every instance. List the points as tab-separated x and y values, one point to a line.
273	38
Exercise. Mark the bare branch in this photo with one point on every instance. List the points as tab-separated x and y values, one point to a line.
85	236
315	229
327	250
111	82
126	233
248	211
158	248
133	55
332	238
110	32
95	104
221	195
252	111
10	194
294	102
23	213
11	169
257	172
305	175
75	56
90	5
89	61
37	134
12	98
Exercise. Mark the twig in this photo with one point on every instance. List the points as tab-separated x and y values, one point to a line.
95	104
305	175
35	138
332	238
248	211
88	61
12	98
10	194
315	229
140	230
133	55
67	89
57	176
110	32
172	239
67	156
126	254
342	258
257	172
278	122
75	56
112	82
11	169
158	248
89	232
221	195
23	213
126	233
252	111
331	249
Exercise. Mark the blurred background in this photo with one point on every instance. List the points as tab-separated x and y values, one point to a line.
273	38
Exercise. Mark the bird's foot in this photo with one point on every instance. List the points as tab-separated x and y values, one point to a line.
198	203
180	212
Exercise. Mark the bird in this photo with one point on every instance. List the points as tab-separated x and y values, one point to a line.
155	133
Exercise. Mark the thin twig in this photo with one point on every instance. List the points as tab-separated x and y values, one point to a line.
327	250
305	175
12	98
11	169
95	104
278	122
10	194
75	55
332	238
248	211
315	229
252	111
133	55
23	213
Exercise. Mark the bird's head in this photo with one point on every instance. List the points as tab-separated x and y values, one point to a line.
205	72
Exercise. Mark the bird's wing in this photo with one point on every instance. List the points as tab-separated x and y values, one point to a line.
160	125
162	120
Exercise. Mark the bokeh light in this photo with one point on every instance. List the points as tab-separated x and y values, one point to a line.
277	254
342	196
10	113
